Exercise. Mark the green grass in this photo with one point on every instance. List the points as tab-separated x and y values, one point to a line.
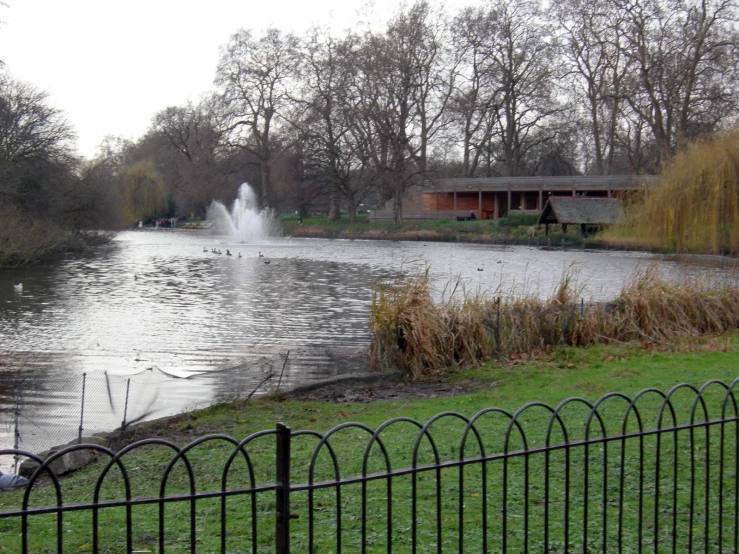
569	372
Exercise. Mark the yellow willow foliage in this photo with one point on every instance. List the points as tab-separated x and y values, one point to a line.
695	207
142	191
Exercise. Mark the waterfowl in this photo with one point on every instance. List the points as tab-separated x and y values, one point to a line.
266	261
239	254
479	269
18	287
228	252
205	249
12	482
260	254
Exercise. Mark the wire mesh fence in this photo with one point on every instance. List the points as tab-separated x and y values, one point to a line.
41	413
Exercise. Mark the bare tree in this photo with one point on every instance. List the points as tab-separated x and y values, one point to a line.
591	39
335	157
477	89
33	135
684	54
255	74
523	49
400	89
196	159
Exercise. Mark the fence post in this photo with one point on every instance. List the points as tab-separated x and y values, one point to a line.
82	407
17	432
282	528
125	406
497	329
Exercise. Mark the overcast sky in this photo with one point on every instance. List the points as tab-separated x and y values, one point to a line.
110	65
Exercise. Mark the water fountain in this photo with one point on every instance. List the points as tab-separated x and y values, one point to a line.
245	222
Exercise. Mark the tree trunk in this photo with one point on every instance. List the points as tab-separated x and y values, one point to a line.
398	205
266	175
334	214
352	212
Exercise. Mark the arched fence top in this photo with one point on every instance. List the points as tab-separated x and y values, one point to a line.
355	453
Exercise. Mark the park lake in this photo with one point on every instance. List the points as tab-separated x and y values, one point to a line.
160	323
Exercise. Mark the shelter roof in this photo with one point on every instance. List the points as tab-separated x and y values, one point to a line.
590	182
582	210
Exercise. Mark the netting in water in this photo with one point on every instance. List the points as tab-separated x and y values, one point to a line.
55	410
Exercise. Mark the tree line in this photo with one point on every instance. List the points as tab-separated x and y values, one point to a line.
334	122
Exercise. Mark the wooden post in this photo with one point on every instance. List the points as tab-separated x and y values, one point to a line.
509	201
541	199
479	202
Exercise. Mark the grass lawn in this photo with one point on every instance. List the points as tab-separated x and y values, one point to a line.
617	488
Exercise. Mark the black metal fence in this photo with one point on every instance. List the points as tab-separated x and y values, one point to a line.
656	472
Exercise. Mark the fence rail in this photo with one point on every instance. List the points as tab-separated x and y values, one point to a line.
656	472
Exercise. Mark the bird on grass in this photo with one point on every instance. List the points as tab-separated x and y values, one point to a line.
12	482
18	287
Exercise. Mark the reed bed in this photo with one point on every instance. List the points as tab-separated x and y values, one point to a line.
412	332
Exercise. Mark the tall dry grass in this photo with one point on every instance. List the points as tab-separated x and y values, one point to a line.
695	207
412	332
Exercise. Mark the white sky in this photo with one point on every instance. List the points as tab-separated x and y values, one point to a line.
110	65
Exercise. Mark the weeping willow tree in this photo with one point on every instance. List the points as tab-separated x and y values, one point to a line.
142	191
695	207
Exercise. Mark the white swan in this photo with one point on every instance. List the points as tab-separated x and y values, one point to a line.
18	287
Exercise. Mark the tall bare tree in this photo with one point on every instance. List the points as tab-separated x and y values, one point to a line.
255	75
523	49
686	69
591	39
335	156
477	89
195	154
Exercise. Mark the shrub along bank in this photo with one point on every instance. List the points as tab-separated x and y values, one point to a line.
516	229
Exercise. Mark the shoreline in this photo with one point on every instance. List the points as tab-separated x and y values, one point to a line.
560	242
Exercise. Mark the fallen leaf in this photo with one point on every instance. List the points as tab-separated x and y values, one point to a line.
342	413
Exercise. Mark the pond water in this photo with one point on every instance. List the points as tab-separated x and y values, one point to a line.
189	327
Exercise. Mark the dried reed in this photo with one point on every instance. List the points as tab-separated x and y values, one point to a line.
412	332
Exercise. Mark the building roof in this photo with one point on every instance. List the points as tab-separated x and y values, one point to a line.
582	210
583	183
